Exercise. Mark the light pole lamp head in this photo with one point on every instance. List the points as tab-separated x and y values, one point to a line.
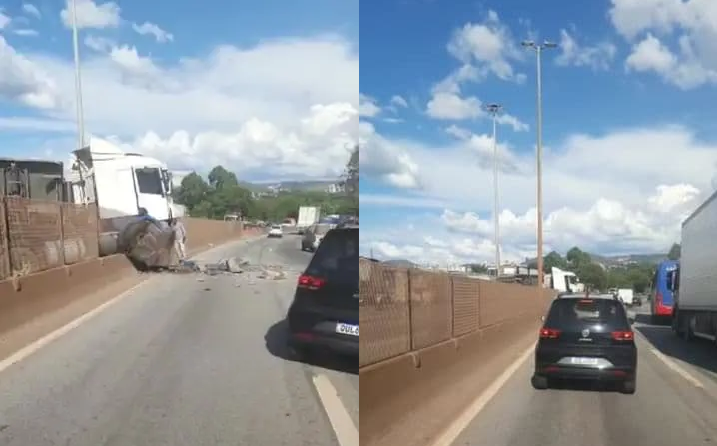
528	43
547	44
493	108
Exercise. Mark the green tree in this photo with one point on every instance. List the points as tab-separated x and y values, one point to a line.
675	252
553	259
577	257
192	191
220	178
593	275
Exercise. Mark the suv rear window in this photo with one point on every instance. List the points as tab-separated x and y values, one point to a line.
337	256
575	314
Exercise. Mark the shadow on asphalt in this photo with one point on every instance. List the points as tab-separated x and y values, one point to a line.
581	385
276	340
698	352
648	320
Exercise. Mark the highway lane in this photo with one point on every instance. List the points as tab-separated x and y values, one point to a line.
675	403
181	360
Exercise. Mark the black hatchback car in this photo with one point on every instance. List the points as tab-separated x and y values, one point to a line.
324	314
586	337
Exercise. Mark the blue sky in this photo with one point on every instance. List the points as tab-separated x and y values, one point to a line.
628	135
249	85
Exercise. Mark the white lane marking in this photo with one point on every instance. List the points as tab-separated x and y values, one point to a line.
344	427
672	365
676	368
52	336
459	424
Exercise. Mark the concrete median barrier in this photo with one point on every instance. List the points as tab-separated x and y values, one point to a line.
418	372
27	298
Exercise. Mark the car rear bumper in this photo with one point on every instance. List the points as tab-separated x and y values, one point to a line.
344	345
616	362
585	373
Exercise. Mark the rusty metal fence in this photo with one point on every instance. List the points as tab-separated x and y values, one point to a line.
36	235
403	310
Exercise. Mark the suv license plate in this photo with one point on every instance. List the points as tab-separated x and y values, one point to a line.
584	361
347	329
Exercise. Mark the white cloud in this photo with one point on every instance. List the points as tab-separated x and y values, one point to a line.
24	81
453	107
650	54
676	38
154	30
489	45
368	106
5	20
483	49
92	15
31	9
386	160
99	43
399	101
597	57
26	32
285	107
596	194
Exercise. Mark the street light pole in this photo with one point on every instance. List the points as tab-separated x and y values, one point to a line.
494	109
539	149
78	79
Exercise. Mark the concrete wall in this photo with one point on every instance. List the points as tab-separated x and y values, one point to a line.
432	341
25	298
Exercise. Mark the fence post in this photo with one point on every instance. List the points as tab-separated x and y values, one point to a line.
61	227
410	310
6	236
452	306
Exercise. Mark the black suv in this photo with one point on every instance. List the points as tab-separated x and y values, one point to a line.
325	310
586	337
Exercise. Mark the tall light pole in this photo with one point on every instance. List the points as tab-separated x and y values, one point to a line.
494	109
78	78
539	47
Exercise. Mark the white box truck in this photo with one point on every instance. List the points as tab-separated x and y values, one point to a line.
308	216
694	281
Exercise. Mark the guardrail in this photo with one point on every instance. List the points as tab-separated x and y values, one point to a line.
423	333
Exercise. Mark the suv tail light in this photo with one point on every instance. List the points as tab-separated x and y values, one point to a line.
549	333
311	282
658	298
623	335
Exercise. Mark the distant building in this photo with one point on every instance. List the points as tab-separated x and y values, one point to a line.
335	188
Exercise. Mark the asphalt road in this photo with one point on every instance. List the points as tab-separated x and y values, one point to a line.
675	402
183	360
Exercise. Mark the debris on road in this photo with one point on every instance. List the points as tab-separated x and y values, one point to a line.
232	266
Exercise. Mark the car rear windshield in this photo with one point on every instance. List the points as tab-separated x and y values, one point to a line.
337	257
574	314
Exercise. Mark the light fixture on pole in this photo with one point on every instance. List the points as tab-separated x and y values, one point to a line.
493	110
539	47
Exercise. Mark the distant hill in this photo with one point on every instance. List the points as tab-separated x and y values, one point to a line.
401	263
625	259
309	185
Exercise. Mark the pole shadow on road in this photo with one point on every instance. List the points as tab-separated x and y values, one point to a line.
276	340
698	352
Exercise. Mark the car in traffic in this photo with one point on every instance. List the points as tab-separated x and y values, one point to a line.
276	231
324	314
586	337
314	235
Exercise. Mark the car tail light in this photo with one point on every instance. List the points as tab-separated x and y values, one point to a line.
549	333
658	298
311	282
623	335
